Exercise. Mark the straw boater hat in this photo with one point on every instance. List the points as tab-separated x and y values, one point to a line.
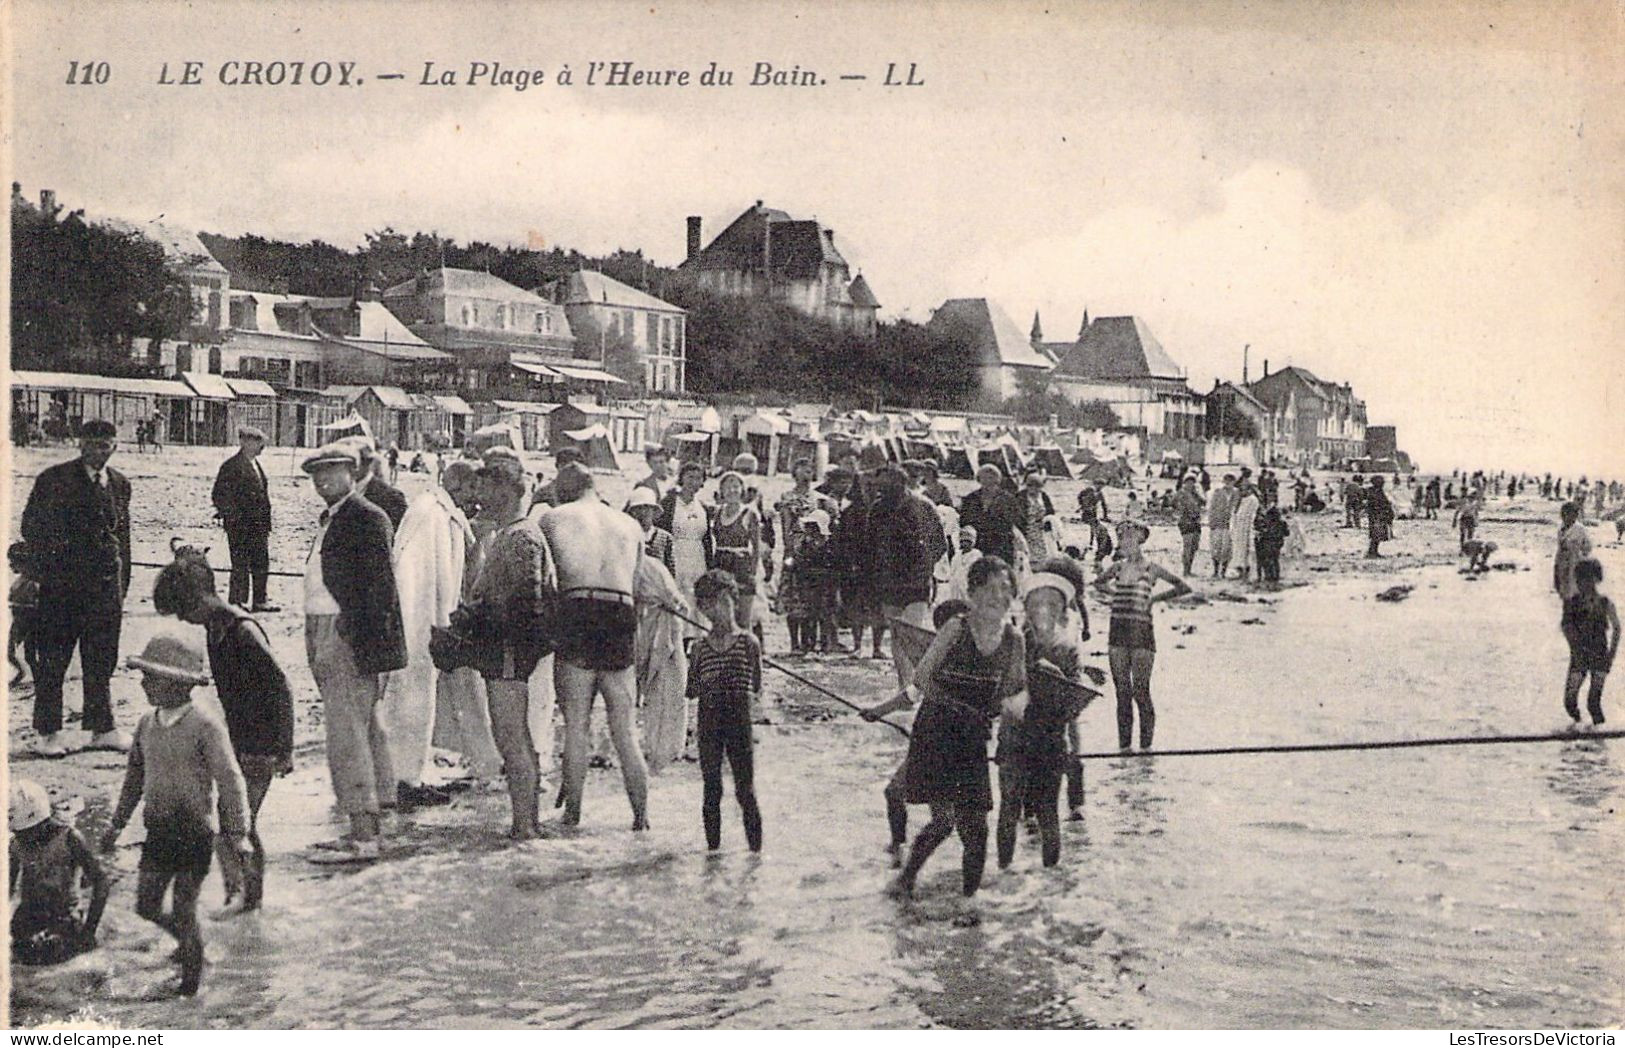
338	453
172	658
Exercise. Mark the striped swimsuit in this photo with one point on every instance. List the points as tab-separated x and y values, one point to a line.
1131	613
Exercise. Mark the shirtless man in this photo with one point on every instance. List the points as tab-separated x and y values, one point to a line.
596	550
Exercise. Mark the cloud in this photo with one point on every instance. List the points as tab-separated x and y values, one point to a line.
1475	337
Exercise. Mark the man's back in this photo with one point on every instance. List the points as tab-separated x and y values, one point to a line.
593	545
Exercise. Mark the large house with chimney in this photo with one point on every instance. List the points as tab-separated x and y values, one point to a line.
767	253
1119	361
1315	422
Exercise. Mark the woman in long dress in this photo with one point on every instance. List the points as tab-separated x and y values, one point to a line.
662	665
685	517
1241	532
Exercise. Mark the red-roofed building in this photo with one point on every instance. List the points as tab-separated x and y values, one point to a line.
766	252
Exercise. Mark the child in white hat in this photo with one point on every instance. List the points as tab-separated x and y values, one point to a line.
180	755
49	859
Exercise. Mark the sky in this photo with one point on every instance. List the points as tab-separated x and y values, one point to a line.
1423	199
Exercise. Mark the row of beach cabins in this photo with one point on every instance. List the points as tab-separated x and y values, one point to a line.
208	409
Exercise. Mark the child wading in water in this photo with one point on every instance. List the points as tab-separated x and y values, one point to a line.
725	675
48	861
179	756
974	671
896	806
256	699
1034	752
1591	626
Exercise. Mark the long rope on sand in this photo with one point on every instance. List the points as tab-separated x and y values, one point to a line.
792	674
219	571
1206	751
1380	744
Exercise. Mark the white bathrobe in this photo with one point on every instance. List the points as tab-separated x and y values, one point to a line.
431	548
1241	533
662	665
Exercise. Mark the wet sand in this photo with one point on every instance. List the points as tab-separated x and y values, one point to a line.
1471	886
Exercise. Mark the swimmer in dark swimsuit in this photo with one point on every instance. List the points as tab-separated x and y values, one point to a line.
596	628
596	551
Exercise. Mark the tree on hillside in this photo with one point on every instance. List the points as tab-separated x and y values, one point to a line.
1233	425
82	293
1038	408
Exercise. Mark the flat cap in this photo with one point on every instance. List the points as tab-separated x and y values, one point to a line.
338	453
251	433
98	429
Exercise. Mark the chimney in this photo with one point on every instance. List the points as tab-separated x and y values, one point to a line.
47	201
693	237
1266	367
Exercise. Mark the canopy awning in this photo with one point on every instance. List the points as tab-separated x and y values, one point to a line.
590	433
452	405
208	386
156	387
586	374
532	367
525	407
250	387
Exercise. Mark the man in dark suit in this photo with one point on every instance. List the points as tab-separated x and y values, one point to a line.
353	633
372	485
242	501
77	523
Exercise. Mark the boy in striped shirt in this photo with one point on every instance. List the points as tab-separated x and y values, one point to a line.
725	675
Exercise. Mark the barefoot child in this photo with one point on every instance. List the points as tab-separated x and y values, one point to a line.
974	672
179	756
48	861
725	675
24	600
1591	626
256	699
1477	552
896	807
1033	752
